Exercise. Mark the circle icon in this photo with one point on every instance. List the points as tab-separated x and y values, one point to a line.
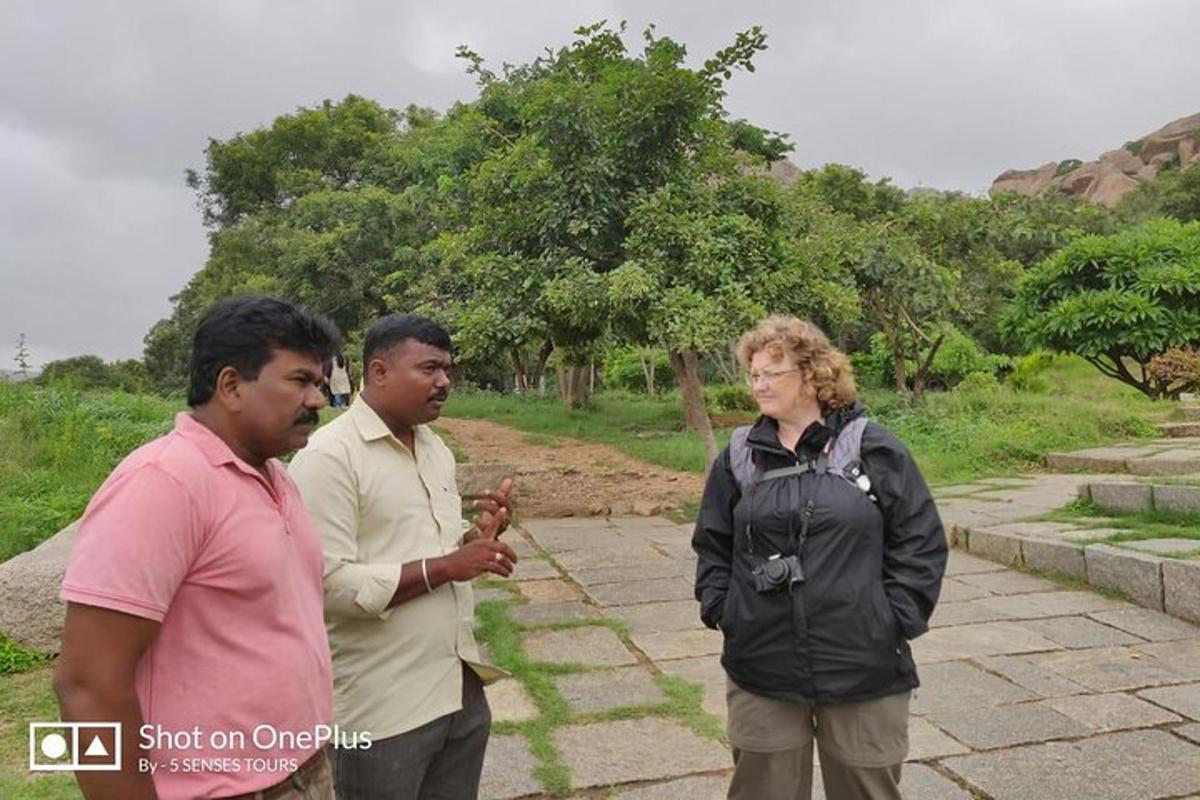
54	746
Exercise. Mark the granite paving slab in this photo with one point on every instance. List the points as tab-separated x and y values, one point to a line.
670	615
1079	632
593	646
510	702
608	753
957	591
1154	626
508	769
1133	765
547	591
1183	699
959	686
1008	583
605	690
926	742
986	639
1103	713
1027	675
919	782
1050	604
551	613
668	645
1005	726
961	563
650	570
634	592
1108	669
704	787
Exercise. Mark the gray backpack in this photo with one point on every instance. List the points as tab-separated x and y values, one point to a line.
839	457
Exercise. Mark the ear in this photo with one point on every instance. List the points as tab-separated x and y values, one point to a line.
229	389
375	371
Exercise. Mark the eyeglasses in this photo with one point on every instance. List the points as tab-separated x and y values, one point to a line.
768	376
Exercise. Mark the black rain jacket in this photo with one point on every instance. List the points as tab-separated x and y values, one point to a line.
873	570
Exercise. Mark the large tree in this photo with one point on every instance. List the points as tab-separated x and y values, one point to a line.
1119	301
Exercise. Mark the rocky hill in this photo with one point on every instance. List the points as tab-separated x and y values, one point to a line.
1114	173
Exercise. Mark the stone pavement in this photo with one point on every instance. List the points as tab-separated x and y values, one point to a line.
1029	690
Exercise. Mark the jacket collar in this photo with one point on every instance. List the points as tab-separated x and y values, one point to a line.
764	433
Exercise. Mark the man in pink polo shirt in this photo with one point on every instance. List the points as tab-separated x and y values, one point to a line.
194	599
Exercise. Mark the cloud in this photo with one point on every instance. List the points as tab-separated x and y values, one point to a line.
103	105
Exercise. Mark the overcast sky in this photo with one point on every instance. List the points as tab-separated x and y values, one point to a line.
104	104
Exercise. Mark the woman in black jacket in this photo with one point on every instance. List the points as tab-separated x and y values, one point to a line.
821	556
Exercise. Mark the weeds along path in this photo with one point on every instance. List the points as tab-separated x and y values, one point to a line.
563	477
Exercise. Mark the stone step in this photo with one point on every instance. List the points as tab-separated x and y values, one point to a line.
1129	498
1189	412
1180	430
1161	457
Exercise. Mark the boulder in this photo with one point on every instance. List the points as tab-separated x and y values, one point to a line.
1115	172
1110	188
1027	181
1123	160
31	613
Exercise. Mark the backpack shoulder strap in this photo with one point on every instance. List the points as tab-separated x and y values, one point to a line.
741	459
847	447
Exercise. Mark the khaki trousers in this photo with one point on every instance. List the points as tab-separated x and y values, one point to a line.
862	747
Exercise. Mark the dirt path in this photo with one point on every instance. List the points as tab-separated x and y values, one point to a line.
562	477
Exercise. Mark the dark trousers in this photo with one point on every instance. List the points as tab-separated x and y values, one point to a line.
441	760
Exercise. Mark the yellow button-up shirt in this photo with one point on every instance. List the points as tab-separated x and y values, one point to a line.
376	507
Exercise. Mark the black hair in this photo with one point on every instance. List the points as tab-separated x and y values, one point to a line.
243	333
394	329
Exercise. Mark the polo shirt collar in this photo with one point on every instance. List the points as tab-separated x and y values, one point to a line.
212	446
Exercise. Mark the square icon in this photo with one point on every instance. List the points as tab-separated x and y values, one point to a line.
74	746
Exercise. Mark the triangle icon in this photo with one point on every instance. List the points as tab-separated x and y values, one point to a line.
96	748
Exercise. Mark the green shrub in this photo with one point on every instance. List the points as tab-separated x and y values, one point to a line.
1028	374
623	368
1067	165
14	658
958	357
978	382
729	397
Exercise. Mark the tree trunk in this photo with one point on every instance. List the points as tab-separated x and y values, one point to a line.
923	368
687	371
647	369
901	369
573	385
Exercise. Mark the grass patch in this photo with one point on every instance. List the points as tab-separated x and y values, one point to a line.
24	698
15	658
686	514
1133	527
1075	584
460	455
59	445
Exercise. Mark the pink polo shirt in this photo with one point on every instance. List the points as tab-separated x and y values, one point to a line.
185	533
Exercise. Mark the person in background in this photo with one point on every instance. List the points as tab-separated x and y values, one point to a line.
821	556
398	564
340	381
194	587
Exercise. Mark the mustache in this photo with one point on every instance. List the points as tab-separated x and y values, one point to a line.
308	416
440	396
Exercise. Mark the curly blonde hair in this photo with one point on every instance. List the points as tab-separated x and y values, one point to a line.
825	370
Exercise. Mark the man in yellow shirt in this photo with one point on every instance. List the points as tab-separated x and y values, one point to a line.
380	486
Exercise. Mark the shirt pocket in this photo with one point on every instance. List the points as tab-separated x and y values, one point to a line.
447	513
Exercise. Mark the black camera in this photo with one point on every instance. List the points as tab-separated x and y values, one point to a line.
777	572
